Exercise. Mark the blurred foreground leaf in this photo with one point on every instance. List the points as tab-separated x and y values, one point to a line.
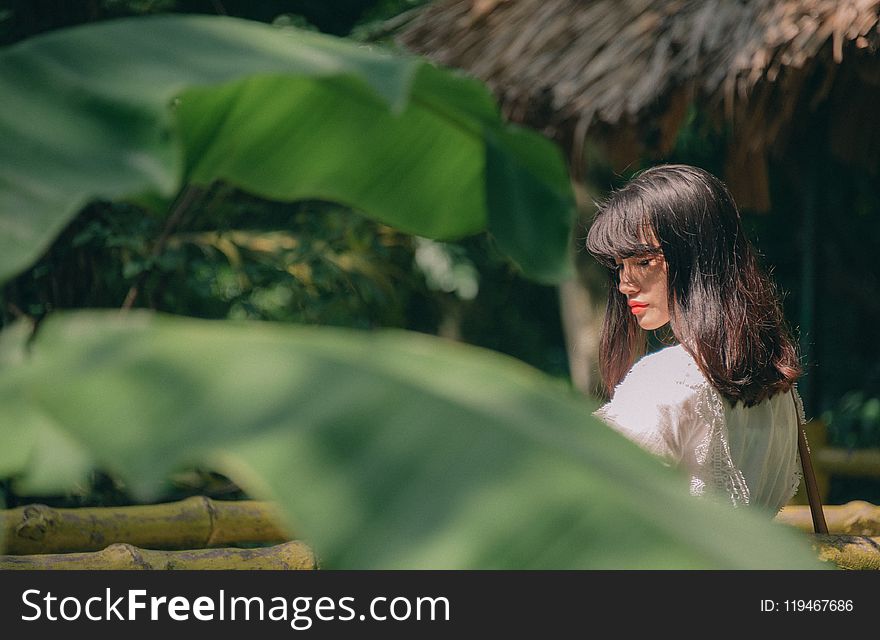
385	449
137	108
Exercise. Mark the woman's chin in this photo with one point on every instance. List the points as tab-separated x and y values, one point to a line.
649	324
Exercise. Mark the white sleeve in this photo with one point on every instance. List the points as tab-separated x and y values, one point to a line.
653	410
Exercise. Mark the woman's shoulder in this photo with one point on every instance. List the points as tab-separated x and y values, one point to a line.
657	403
671	366
669	376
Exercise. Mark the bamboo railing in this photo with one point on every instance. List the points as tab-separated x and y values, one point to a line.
193	523
857	518
190	534
183	535
290	555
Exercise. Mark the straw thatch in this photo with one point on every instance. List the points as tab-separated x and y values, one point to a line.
624	72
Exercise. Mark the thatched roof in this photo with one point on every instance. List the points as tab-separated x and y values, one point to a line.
625	71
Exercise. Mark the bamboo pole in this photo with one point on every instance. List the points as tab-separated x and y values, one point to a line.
857	518
815	500
857	462
194	523
290	555
816	433
849	552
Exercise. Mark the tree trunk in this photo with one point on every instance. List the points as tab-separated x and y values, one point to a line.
581	338
581	317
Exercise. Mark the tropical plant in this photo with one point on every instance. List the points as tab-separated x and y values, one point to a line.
383	449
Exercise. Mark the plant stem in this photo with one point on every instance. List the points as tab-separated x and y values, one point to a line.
183	203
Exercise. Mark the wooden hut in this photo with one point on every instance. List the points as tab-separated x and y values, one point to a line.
624	72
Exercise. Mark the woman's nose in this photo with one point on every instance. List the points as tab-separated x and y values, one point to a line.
626	285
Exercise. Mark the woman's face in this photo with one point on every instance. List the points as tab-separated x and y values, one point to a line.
643	281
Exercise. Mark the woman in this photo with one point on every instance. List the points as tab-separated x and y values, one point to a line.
721	403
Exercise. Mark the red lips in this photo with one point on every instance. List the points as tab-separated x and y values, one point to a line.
636	307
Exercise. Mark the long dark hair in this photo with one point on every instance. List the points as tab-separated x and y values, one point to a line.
723	308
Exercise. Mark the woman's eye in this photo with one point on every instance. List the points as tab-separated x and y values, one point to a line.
645	262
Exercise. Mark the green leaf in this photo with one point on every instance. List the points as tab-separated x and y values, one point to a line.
528	196
41	457
18	436
384	449
133	109
296	138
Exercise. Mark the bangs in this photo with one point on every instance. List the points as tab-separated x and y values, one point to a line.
622	229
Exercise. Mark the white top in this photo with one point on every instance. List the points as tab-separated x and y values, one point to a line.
744	455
